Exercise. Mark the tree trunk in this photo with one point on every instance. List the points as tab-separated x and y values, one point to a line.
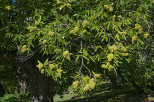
31	80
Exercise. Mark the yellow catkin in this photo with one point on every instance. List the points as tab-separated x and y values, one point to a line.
146	35
85	23
125	54
97	75
76	29
58	2
61	7
85	89
40	66
111	68
91	80
84	31
36	23
110	48
8	7
134	38
106	6
120	16
65	4
52	66
110	57
72	31
86	78
113	48
124	33
140	31
137	26
104	66
92	17
59	70
108	63
30	28
44	42
24	48
75	84
66	53
51	33
58	74
42	71
111	9
124	49
92	84
68	5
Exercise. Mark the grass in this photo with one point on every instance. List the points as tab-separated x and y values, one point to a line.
108	94
65	97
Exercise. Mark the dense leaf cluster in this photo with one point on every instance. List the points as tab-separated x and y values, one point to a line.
85	38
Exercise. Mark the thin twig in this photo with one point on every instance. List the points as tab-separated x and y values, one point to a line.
108	34
58	26
82	62
87	69
124	35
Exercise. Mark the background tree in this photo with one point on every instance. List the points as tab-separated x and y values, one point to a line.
55	43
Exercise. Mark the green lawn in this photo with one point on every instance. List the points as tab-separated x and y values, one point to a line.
108	94
65	97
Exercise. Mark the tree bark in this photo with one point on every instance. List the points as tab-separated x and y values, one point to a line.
31	80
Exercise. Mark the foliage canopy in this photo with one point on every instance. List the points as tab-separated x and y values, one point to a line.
83	40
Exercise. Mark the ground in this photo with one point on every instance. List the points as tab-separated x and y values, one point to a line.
109	94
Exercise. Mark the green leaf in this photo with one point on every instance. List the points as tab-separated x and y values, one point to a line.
85	52
139	40
77	58
117	37
86	58
46	62
39	62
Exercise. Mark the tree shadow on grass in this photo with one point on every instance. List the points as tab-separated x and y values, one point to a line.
113	95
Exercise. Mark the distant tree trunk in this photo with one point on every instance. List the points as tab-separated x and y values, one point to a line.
31	80
2	92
